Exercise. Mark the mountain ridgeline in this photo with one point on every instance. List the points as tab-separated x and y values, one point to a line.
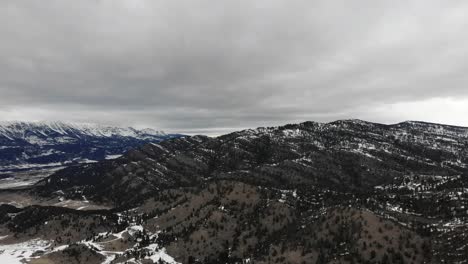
348	191
348	155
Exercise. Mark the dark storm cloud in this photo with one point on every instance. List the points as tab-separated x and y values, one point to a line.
214	66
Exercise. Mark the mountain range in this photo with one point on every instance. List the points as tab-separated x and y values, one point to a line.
34	149
348	191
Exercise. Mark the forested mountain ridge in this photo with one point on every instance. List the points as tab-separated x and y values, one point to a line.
349	191
343	155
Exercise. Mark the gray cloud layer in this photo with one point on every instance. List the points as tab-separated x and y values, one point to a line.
214	66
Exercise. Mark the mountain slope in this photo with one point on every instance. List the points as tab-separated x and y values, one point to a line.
343	192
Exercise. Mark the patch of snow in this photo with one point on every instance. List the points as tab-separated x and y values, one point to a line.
19	252
160	254
132	230
108	157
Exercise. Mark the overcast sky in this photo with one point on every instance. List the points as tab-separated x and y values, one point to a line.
211	67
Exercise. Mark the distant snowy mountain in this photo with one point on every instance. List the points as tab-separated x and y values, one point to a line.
26	146
43	133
